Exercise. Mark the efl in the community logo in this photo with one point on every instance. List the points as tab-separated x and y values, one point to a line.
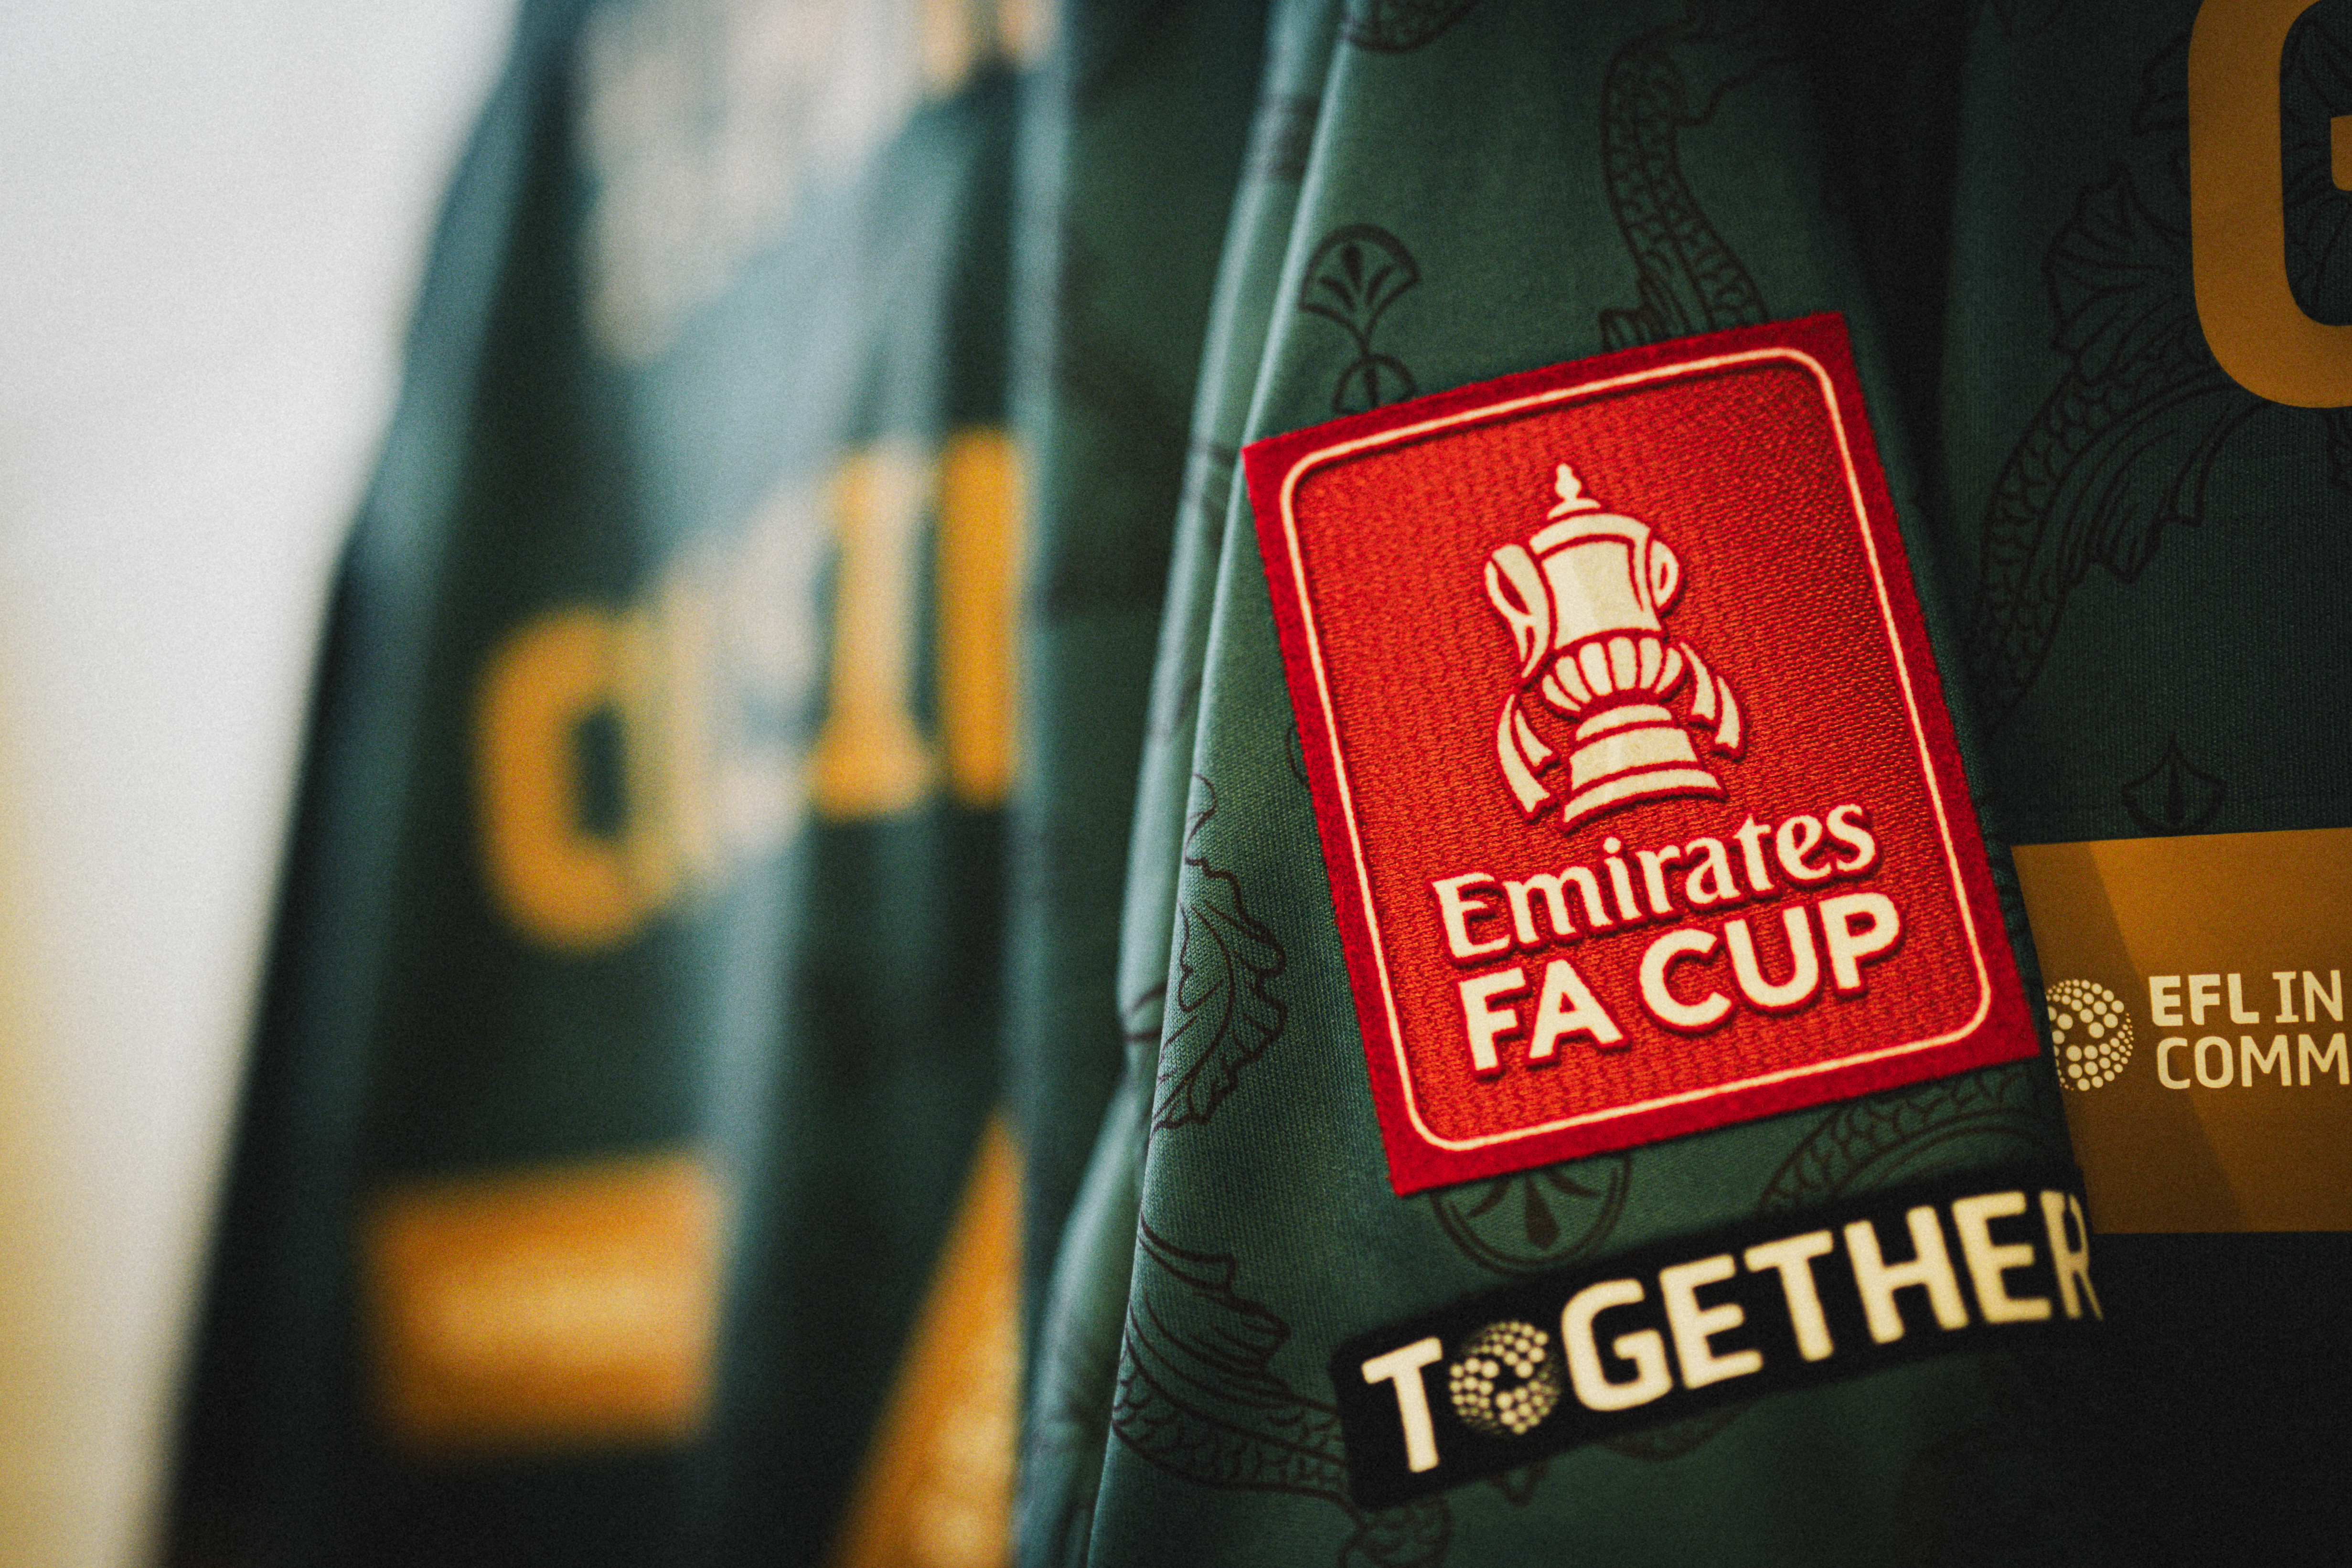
1635	785
2090	1031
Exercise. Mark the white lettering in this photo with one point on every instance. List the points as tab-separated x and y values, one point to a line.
1621	881
2333	996
1804	963
2228	1073
1401	1369
2238	1013
2309	1056
1710	881
1643	1348
2252	1059
2072	1258
2204	995
1795	839
1662	1004
1930	1270
1485	1022
1555	896
1653	863
1569	1007
1973	1217
2285	979
1846	826
1750	839
1694	1325
1792	1258
2164	1050
1857	926
1456	906
2164	1000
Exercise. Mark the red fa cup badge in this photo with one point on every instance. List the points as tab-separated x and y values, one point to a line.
1639	797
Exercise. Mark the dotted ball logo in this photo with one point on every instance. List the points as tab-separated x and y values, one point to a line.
1504	1382
2091	1030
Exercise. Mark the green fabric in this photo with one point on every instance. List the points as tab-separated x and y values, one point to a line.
815	1013
2159	640
1121	224
1226	219
1484	188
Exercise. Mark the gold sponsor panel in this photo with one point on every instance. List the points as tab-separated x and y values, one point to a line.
2196	990
937	1486
563	1308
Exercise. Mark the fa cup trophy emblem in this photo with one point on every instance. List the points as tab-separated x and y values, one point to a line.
1583	598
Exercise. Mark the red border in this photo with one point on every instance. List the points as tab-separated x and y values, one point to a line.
2001	1029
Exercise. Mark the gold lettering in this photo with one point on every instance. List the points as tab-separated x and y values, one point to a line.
869	761
557	881
2237	211
978	609
708	676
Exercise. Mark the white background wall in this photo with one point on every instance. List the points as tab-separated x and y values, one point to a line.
212	215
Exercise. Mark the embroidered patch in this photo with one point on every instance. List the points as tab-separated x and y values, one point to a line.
1495	1381
1636	788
